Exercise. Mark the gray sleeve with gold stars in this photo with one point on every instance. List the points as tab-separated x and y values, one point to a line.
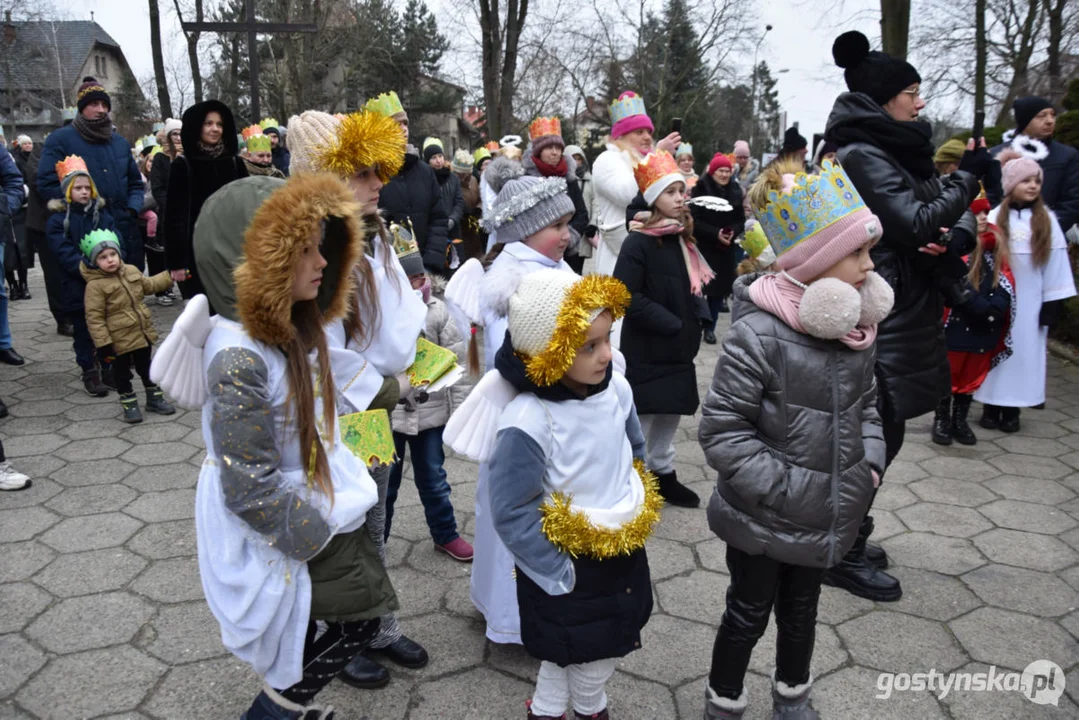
244	441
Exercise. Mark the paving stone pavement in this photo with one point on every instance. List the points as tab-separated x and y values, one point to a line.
101	610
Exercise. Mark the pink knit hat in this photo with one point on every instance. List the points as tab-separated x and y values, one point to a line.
741	147
628	114
812	222
1018	170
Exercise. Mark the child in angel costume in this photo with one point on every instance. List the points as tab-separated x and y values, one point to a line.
531	217
569	493
377	341
281	501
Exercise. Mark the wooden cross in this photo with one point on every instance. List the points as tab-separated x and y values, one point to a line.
252	28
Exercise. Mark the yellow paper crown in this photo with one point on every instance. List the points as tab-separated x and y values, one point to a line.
70	164
387	104
654	166
431	141
268	123
544	126
813	203
480	154
365	139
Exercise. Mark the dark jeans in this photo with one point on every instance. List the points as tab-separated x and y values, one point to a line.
714	303
155	261
427	460
759	583
85	354
121	370
52	271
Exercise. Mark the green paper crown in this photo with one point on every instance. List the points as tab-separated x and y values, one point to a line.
268	123
95	238
387	104
259	143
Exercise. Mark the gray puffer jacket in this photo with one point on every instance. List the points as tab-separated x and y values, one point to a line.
791	426
420	410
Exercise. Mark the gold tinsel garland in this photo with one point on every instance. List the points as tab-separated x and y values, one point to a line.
365	139
572	532
571	327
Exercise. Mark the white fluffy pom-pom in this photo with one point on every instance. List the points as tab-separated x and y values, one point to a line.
877	300
830	309
499	284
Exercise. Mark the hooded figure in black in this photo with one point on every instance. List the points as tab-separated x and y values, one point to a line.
203	169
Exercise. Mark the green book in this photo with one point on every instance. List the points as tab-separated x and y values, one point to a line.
432	362
369	436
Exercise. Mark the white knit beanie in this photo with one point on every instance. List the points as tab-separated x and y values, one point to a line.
172	124
534	308
309	133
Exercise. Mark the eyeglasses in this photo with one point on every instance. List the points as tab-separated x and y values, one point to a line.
914	93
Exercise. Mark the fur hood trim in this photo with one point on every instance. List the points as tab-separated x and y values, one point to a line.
529	163
273	242
60	205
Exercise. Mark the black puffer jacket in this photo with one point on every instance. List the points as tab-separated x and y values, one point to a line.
452	199
414	194
193	178
912	358
661	333
706	226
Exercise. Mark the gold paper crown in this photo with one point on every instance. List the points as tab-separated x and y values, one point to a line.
70	164
387	104
654	166
544	126
365	139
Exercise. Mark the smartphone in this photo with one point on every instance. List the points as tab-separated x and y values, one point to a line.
979	126
676	125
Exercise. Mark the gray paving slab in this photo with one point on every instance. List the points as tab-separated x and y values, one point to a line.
102	613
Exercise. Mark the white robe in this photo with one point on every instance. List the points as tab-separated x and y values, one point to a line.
615	188
493	589
1019	381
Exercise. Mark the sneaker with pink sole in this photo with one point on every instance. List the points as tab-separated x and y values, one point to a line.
459	549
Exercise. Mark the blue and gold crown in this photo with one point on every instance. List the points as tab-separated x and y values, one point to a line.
629	104
813	204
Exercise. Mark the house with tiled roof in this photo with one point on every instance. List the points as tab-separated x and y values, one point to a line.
42	64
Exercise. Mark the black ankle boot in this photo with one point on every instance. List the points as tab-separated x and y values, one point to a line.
91	380
990	417
1009	420
156	402
960	429
859	577
675	493
873	553
942	422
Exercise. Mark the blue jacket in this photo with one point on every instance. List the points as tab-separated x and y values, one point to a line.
978	324
11	182
111	165
65	246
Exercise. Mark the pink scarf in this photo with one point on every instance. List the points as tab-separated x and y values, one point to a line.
776	294
700	272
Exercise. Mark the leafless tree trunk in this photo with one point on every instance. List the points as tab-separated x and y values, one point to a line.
499	62
193	47
895	27
1055	13
1023	43
163	100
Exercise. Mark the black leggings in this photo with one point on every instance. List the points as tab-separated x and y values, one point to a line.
759	583
328	655
121	370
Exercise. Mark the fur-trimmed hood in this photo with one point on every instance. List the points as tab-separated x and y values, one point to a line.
192	128
529	163
60	205
249	236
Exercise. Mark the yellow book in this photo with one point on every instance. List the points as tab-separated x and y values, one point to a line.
369	436
432	362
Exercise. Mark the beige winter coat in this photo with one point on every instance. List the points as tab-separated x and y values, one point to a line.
419	410
115	312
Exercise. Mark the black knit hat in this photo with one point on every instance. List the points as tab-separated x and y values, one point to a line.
879	76
1026	108
92	90
793	141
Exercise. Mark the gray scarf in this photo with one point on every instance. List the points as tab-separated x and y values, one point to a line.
93	131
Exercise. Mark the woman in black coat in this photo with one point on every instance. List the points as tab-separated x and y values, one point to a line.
715	232
209	162
887	153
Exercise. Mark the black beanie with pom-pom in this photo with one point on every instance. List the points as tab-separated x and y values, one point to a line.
876	74
89	91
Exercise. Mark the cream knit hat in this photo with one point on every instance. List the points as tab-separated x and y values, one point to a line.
308	134
549	316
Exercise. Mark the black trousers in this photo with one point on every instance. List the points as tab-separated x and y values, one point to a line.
155	260
759	584
121	369
53	274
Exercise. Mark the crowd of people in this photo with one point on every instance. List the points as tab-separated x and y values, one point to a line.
870	282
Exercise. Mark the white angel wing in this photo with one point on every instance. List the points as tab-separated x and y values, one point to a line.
472	428
463	290
711	202
177	365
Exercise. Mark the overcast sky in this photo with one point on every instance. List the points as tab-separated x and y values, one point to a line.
800	42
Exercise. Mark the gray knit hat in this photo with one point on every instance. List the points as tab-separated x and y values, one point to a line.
525	204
